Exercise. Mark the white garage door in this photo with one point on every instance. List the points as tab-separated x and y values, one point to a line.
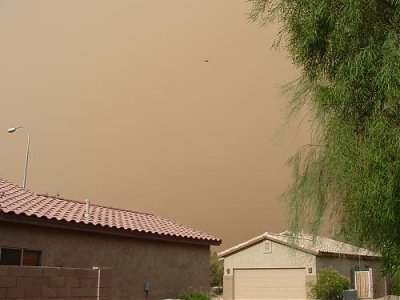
269	284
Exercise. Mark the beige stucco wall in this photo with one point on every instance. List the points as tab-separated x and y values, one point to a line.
255	257
168	267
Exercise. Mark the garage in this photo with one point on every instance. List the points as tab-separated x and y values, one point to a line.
285	265
288	283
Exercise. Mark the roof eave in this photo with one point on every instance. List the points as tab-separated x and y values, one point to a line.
259	239
235	249
347	255
53	223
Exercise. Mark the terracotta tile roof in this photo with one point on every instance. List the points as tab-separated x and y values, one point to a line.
19	201
316	245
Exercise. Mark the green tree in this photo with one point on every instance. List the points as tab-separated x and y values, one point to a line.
193	295
348	52
330	285
395	286
216	270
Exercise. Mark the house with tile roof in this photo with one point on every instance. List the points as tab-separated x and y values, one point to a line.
144	251
283	266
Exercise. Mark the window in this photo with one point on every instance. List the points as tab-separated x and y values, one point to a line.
10	257
31	258
267	247
18	257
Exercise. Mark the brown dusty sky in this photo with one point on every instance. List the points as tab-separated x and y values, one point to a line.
123	109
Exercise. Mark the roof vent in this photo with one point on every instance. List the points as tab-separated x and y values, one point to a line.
87	208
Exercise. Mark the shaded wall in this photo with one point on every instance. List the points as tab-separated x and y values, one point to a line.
345	265
37	283
168	267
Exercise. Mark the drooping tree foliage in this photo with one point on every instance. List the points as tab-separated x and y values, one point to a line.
216	270
348	52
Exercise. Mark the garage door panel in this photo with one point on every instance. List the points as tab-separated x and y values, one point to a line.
269	284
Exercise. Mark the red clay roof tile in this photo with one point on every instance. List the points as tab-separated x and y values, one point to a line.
14	199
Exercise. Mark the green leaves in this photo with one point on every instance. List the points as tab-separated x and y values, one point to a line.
216	270
330	285
348	52
193	295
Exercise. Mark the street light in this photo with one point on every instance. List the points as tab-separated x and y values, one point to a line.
12	130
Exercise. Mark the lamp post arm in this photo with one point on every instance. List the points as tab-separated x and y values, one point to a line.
12	130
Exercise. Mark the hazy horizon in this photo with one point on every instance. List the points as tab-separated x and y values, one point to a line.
173	108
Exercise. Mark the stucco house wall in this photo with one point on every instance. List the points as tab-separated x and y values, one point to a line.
255	256
169	267
139	247
345	265
280	256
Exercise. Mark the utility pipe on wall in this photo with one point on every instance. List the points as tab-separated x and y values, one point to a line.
98	281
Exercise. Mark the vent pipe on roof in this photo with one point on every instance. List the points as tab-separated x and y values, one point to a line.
87	208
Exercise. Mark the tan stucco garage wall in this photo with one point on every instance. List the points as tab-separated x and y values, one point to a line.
255	256
168	267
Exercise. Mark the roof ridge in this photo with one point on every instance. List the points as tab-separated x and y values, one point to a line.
94	204
317	238
311	243
20	201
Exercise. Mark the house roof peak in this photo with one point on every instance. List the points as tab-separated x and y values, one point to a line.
317	245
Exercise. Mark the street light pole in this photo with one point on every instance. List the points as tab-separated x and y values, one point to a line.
12	130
